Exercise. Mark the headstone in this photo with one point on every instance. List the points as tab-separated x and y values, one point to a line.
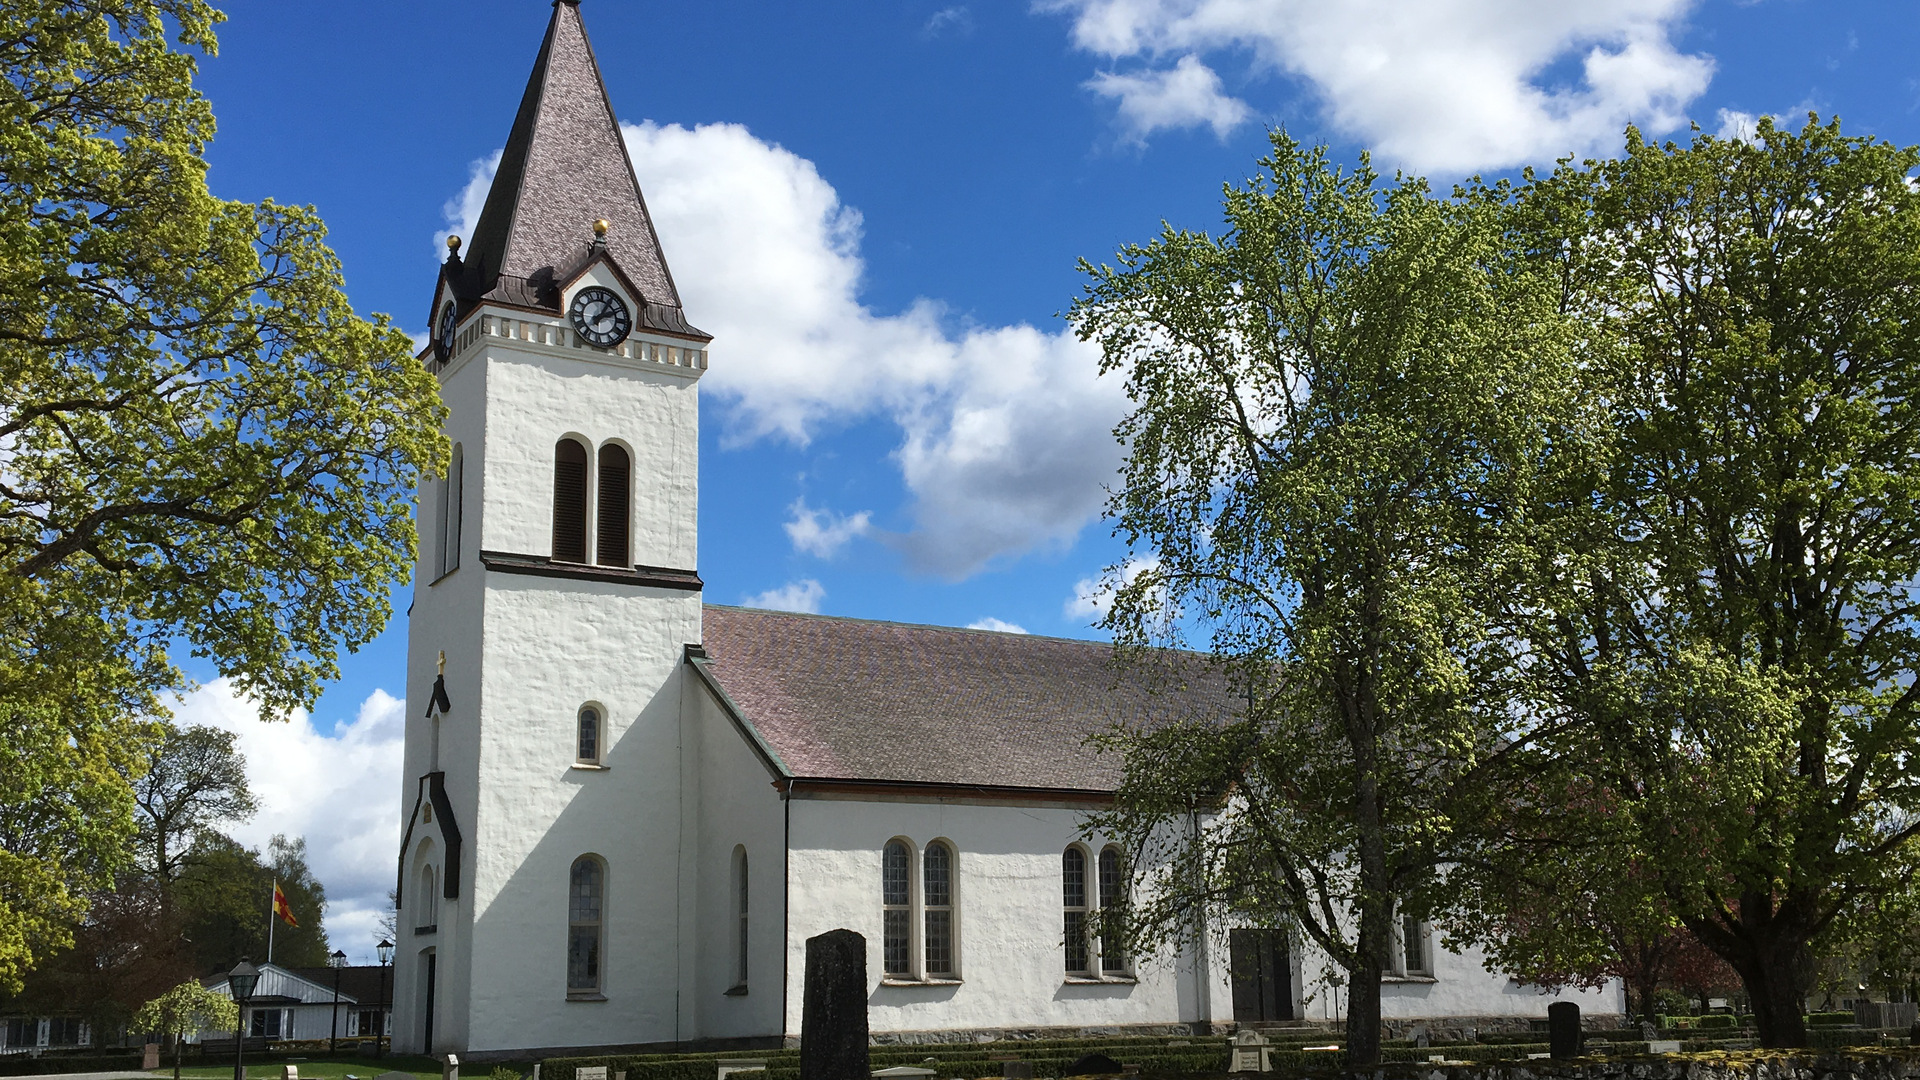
450	1069
905	1072
1420	1037
833	1009
1663	1046
395	1076
590	1072
620	1074
1563	1029
1092	1065
729	1066
289	1072
1249	1052
1016	1070
150	1056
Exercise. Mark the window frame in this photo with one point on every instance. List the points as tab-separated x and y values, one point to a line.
740	900
951	909
1420	942
599	713
1089	967
596	992
599	493
1119	966
587	491
452	495
906	909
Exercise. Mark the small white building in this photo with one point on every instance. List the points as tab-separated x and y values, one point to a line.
627	811
304	1005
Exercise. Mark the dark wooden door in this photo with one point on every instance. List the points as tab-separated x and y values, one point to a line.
426	1036
1262	973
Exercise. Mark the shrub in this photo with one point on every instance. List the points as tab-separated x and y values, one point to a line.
1830	1019
1717	1020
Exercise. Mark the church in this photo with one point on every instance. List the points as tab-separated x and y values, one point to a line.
627	810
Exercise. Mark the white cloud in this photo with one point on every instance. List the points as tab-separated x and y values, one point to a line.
463	210
803	596
1093	596
822	532
1183	96
340	791
1445	86
951	20
1005	431
997	625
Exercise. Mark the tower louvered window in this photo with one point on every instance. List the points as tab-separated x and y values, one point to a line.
616	470
569	502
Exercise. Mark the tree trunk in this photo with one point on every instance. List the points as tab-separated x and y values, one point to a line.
1777	980
1363	1011
176	1056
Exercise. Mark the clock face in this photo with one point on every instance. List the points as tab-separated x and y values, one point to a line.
600	316
443	334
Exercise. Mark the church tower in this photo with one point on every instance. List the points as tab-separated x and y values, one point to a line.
555	595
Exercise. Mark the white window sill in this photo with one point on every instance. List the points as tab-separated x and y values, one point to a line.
585	995
1101	980
588	766
895	980
1389	978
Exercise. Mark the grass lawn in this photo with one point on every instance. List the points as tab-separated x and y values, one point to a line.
321	1067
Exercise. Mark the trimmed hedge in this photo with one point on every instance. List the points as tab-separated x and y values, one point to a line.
1830	1019
1717	1020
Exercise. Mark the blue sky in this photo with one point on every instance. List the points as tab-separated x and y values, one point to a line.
877	208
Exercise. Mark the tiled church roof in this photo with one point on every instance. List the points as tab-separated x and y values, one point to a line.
850	699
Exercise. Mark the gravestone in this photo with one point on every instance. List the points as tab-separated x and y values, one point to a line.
1016	1070
289	1072
590	1072
1563	1029
1421	1038
150	1056
833	1010
1663	1046
1249	1052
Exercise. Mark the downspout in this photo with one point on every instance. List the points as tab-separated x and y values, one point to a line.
786	906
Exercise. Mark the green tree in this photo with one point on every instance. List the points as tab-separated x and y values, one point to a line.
206	448
185	1010
194	782
1336	405
1729	642
224	898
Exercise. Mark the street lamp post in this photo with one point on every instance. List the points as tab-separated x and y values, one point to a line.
337	961
240	983
385	948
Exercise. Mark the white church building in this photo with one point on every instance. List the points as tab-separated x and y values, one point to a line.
627	810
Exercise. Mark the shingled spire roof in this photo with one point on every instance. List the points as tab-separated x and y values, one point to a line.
565	165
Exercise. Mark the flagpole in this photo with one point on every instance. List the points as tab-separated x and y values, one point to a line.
273	916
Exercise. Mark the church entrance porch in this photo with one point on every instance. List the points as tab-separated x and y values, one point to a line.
1262	970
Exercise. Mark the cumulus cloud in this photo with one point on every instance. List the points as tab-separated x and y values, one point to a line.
951	20
1446	86
463	210
1005	431
1000	626
340	791
803	596
1093	596
1185	95
822	532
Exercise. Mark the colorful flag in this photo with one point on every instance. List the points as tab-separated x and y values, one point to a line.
281	908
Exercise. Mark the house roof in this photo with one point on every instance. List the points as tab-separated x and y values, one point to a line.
565	166
360	983
856	700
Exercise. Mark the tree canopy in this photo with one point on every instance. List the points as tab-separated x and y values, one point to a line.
207	451
1335	403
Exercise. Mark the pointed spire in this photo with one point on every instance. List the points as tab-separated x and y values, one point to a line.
564	168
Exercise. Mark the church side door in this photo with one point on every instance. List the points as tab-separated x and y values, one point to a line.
1262	971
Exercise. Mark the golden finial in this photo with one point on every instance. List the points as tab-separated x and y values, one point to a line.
600	228
443	661
453	244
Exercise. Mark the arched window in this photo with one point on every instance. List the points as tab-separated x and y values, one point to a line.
588	741
616	469
1113	907
450	497
1073	883
426	910
896	932
569	501
585	887
936	892
1413	946
740	908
